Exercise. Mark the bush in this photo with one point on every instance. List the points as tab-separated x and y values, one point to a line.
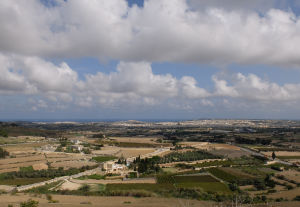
3	133
3	153
29	203
259	185
297	198
48	197
85	188
279	199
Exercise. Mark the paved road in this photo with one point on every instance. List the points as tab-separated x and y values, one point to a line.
27	187
262	155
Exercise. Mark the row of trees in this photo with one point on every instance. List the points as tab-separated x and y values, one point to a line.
150	165
188	156
147	165
242	140
50	173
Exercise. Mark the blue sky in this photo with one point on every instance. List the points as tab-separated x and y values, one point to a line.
158	59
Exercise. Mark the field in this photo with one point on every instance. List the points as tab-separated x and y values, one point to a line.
291	175
72	164
194	179
204	182
288	194
198	181
293	157
228	150
116	201
135	140
214	163
39	161
22	148
21	181
139	186
283	153
14	164
104	159
123	151
116	180
230	174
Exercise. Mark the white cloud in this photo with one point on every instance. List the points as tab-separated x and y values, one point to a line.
231	5
135	82
32	75
132	82
162	30
51	87
251	87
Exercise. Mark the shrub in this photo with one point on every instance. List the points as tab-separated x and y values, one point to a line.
297	198
48	197
3	153
85	188
29	203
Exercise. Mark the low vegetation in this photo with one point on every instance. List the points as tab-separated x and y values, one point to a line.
104	158
29	176
3	153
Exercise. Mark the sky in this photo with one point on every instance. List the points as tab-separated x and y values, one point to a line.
152	59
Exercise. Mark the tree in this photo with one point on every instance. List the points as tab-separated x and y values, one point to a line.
3	153
273	155
3	133
233	186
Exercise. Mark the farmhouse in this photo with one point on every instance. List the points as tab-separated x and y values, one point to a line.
76	141
77	147
112	167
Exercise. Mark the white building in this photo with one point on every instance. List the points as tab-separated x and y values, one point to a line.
112	167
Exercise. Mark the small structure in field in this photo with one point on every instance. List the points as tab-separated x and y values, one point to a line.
77	147
113	167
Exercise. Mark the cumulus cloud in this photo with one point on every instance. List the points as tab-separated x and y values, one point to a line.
244	5
252	88
33	75
177	32
132	82
135	82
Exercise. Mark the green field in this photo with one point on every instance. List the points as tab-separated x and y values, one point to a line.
205	182
194	179
21	181
134	144
104	159
288	157
94	177
26	169
243	176
206	186
222	174
97	187
215	163
253	170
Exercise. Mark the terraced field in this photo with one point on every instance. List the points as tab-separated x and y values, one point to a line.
231	174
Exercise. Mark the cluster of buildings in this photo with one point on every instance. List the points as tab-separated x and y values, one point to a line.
111	167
